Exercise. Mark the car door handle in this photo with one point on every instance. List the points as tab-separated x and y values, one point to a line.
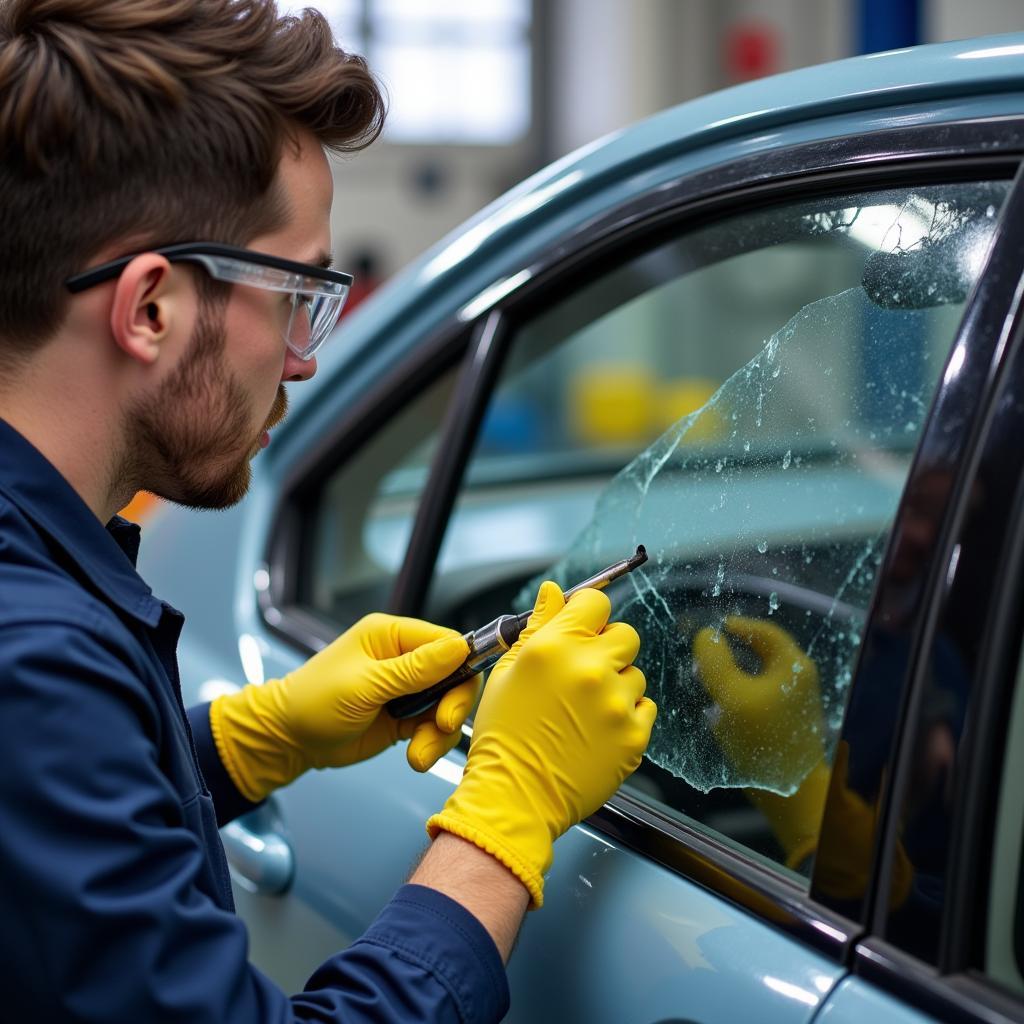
258	852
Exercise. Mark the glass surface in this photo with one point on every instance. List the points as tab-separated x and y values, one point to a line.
312	319
457	72
364	512
745	402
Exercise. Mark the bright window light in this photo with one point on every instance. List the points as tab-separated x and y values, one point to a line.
343	16
457	72
499	13
476	95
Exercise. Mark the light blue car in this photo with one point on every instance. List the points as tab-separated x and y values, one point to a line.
774	335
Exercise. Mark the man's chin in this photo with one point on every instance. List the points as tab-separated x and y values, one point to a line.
212	496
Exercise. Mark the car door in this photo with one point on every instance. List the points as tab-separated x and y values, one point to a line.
629	371
763	513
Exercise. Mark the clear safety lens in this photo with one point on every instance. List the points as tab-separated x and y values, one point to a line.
312	319
316	303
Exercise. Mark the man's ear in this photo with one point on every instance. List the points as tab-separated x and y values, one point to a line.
142	311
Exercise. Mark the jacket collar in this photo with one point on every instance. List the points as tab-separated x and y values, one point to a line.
104	555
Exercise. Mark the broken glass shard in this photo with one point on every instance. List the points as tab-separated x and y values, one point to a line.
774	499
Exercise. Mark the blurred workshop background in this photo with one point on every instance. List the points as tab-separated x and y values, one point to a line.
484	92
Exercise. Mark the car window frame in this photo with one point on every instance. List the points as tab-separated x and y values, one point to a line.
968	150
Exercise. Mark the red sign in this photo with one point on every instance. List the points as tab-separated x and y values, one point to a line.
751	51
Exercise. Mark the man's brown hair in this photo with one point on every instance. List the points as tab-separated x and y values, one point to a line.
154	121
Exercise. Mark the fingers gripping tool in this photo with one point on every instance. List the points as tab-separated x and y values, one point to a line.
488	643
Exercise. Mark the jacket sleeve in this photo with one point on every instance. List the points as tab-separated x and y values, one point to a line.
104	919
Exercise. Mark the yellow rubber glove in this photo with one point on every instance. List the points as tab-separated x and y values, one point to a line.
770	724
330	712
563	720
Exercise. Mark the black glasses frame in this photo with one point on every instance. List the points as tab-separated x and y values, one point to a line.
184	252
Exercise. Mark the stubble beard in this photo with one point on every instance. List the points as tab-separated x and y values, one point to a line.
192	442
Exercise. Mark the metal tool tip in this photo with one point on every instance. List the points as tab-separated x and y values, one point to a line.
639	558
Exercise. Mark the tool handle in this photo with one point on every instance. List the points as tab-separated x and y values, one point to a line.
413	704
486	645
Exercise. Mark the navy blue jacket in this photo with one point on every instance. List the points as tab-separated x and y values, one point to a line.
115	892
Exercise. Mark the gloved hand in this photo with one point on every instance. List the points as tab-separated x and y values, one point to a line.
330	712
770	724
562	722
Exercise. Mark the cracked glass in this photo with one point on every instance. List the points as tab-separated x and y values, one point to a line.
743	400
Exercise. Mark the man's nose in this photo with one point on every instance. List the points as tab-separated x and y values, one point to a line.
296	369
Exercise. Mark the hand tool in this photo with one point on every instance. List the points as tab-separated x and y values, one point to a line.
488	643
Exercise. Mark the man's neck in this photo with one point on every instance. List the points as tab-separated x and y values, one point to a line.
74	434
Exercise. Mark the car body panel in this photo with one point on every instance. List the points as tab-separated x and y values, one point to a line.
621	938
855	1001
687	945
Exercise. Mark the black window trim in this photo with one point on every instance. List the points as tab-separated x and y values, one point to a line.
725	870
458	436
965	150
993	687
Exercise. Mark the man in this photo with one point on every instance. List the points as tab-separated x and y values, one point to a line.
164	262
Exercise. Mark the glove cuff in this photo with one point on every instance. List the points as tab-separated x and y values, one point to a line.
252	749
227	753
496	846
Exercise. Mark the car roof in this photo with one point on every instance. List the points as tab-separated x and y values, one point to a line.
931	74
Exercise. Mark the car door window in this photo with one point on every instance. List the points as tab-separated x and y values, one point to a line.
743	400
363	511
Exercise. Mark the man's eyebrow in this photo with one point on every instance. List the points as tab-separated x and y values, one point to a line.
324	260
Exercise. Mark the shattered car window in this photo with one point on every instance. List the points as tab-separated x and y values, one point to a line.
784	517
745	402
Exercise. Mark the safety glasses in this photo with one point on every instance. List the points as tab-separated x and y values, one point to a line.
317	295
